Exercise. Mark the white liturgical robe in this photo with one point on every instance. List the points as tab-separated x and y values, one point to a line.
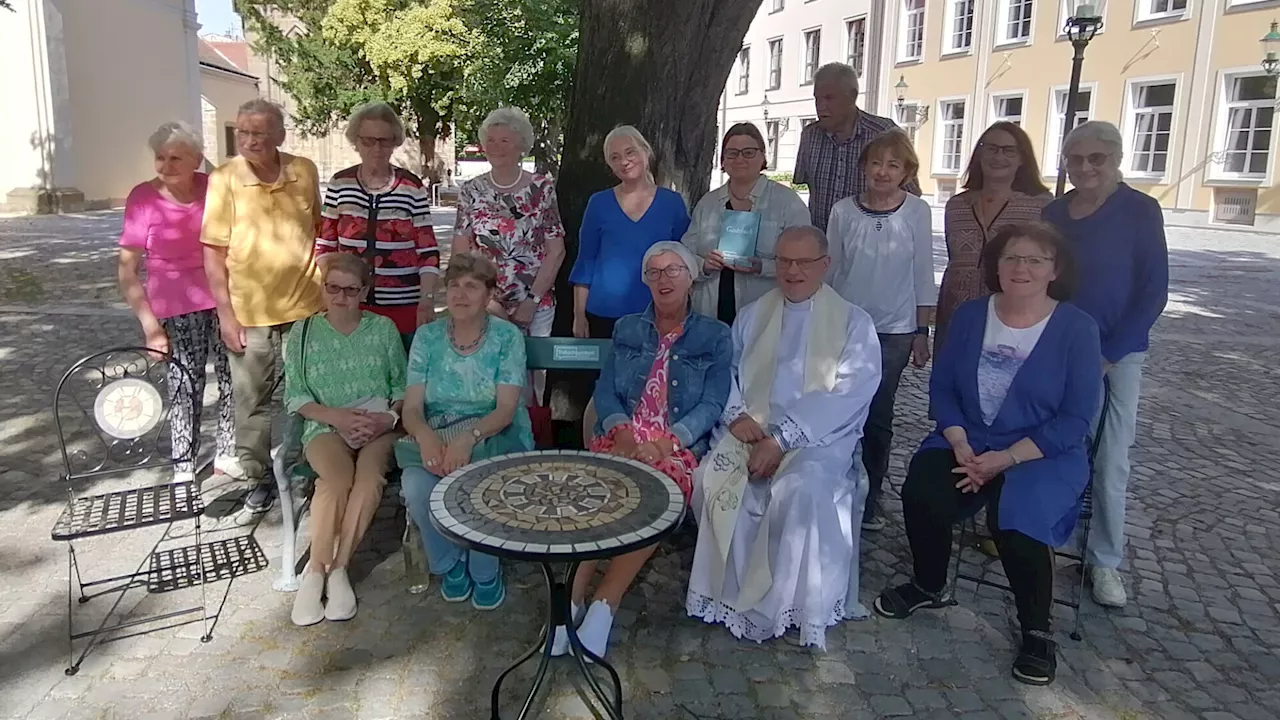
813	504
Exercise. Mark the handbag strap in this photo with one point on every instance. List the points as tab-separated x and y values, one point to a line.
302	357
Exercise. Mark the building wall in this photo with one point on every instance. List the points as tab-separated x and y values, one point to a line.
224	93
1191	49
792	102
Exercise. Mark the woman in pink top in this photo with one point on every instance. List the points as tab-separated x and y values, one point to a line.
162	226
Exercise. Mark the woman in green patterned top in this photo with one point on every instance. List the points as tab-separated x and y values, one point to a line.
345	375
466	375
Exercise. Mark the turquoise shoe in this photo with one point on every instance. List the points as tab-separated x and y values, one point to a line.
456	586
488	596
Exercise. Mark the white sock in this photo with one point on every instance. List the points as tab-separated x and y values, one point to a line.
560	644
595	628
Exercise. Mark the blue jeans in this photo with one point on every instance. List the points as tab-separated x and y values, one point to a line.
416	485
1111	467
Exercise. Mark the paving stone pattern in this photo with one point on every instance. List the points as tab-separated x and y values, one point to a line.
1199	639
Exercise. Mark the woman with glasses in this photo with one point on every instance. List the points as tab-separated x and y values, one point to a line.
660	392
763	208
511	217
1013	391
1002	187
345	375
382	213
1117	236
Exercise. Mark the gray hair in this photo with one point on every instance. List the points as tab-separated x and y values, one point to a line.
179	132
374	111
838	72
261	106
629	131
801	232
515	120
1101	131
670	246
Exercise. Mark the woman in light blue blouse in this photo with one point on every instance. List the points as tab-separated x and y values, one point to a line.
618	227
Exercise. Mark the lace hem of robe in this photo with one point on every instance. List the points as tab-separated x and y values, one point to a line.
710	610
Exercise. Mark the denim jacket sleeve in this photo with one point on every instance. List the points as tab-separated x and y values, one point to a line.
703	416
611	409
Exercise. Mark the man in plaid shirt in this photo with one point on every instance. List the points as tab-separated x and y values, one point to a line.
827	160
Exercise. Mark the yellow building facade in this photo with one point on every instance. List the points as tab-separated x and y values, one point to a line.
1182	79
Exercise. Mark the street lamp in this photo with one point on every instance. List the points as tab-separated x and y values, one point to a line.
1080	28
765	105
917	115
1270	43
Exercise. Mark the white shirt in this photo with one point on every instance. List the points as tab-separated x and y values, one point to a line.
883	261
1004	349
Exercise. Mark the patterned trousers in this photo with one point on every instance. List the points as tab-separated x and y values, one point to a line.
191	338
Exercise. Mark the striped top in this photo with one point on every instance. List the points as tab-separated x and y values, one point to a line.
404	245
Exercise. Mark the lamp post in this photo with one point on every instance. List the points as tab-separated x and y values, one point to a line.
1270	44
919	115
1081	28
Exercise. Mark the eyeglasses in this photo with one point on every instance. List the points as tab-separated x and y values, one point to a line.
1009	151
344	289
745	153
671	271
1034	262
372	142
801	263
252	134
1097	159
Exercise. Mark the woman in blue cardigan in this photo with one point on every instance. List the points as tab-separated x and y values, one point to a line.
1014	389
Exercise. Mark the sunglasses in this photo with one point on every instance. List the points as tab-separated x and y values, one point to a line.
372	142
1097	159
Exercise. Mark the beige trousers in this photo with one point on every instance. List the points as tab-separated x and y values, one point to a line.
348	491
253	373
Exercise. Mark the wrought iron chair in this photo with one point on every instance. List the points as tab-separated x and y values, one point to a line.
111	413
968	531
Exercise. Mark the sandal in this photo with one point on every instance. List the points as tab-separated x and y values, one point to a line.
1037	663
900	602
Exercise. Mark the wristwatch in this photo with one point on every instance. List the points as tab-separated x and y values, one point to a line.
923	330
476	434
395	417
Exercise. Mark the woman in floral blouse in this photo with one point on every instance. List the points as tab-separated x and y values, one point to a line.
511	217
345	375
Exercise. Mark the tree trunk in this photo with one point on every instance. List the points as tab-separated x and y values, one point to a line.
546	148
660	66
428	124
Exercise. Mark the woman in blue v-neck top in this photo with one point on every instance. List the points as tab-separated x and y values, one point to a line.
607	275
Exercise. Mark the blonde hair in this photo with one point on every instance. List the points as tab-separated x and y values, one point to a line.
629	131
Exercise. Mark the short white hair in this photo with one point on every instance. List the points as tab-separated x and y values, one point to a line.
179	132
670	246
838	72
376	110
1101	131
629	131
261	106
513	119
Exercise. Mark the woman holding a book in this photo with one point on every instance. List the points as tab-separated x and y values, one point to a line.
736	226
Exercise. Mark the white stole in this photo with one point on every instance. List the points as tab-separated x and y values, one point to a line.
726	473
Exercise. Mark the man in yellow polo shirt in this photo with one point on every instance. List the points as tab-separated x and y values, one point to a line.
260	220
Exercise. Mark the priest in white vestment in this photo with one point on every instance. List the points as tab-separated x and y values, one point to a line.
777	500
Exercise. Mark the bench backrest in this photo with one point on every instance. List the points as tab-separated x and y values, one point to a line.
560	353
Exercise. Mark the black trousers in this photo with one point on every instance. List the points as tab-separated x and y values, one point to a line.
931	505
600	327
877	433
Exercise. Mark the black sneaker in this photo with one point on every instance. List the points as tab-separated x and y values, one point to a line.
259	499
1037	663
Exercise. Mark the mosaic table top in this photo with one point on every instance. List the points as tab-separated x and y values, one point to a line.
556	505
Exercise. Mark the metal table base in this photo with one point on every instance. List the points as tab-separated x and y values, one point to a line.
558	603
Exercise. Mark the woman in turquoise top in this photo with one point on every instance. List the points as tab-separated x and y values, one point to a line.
344	374
466	375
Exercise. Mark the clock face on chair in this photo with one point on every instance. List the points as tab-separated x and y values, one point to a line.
128	408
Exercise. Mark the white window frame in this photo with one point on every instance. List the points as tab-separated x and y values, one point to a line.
909	109
950	17
1053	128
1145	11
777	6
905	14
861	65
940	136
1002	23
744	70
806	77
772	140
1130	126
1217	169
1067	8
770	85
993	116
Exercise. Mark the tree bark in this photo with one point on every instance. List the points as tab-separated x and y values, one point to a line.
428	123
658	65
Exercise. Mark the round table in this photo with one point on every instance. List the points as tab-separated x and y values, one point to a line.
557	506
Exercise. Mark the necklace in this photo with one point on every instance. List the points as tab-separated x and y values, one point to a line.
500	186
739	198
385	183
471	345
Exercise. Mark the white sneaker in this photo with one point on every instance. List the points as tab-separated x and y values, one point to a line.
183	476
594	631
308	609
228	465
1108	588
560	644
342	599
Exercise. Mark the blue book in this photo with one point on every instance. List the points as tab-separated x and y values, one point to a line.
738	231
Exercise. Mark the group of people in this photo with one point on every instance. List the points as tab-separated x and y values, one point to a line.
762	382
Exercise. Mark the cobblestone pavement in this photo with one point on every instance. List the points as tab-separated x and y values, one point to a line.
1199	639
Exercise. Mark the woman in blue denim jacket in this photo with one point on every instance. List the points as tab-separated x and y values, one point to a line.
660	392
